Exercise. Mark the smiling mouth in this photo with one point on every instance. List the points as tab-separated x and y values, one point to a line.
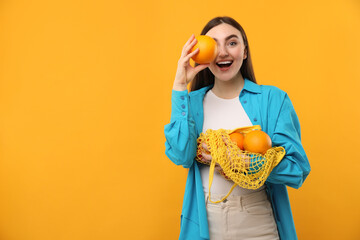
224	64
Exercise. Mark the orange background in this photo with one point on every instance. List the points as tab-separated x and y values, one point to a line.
85	94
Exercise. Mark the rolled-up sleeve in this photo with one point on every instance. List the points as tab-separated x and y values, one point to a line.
294	167
180	133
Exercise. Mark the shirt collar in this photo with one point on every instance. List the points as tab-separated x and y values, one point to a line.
251	86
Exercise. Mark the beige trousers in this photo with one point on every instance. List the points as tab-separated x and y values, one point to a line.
247	217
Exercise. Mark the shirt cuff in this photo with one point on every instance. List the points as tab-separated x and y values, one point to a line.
179	104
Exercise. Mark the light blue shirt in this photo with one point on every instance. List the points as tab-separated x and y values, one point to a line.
267	106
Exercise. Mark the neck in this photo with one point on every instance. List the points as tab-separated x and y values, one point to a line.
228	89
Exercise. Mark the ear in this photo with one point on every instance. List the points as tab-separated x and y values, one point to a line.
245	53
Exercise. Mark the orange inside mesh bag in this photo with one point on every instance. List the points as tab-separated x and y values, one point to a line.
246	169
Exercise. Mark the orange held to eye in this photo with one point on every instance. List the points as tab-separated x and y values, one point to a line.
257	141
207	49
238	138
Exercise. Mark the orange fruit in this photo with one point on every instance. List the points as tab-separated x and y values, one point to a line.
207	49
238	138
257	141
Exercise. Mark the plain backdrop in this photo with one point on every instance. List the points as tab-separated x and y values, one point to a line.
85	94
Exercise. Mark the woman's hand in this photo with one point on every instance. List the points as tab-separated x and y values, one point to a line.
246	160
206	157
185	73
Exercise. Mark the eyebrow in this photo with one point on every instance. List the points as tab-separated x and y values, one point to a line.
228	37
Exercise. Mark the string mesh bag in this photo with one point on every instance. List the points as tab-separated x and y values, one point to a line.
246	169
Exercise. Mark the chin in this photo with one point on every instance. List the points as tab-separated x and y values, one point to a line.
224	79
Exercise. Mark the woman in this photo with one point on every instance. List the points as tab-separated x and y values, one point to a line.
224	94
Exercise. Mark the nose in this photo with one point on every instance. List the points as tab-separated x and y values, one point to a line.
222	51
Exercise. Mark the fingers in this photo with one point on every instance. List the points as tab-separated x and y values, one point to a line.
218	168
226	140
246	160
185	72
189	45
192	37
190	55
206	156
201	67
184	60
204	145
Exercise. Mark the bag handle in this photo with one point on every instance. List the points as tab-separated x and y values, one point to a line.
211	176
246	129
213	163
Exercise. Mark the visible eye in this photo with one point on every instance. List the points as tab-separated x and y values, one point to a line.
232	43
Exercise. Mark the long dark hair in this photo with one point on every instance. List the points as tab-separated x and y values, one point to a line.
205	77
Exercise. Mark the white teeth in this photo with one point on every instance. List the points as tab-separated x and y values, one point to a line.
225	62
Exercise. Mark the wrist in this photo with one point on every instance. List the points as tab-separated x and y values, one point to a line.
179	87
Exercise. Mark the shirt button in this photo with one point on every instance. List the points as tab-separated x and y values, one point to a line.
245	101
183	113
182	97
255	119
183	106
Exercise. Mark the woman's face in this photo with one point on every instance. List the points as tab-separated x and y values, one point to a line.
231	52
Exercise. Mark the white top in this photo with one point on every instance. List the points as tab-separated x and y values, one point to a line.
225	114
